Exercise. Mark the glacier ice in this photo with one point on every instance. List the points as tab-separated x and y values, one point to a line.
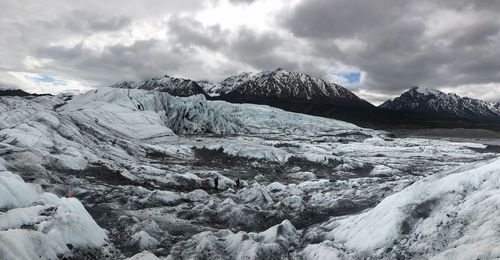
140	166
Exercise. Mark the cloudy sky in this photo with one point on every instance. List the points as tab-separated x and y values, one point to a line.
376	48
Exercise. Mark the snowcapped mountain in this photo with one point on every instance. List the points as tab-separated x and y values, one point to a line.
298	92
432	101
211	88
267	87
174	86
283	86
291	91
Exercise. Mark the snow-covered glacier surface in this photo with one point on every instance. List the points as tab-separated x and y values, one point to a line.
39	225
119	173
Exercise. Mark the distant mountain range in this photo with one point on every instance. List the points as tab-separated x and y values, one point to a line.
298	92
433	101
281	86
174	86
268	87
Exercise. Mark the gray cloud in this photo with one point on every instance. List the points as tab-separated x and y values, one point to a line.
142	59
88	22
39	28
399	48
257	50
5	85
396	44
342	18
241	1
188	32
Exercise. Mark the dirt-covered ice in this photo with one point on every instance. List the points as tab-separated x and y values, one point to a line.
141	166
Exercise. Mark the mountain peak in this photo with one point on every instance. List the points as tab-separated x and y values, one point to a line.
174	86
279	85
426	91
280	70
432	101
282	86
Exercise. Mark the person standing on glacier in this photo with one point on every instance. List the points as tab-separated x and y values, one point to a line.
203	182
216	183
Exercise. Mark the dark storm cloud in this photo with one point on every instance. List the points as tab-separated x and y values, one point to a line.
399	48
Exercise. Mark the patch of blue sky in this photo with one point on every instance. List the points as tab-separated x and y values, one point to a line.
351	77
47	79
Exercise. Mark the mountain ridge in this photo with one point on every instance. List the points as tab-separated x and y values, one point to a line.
175	86
251	87
301	93
432	101
285	86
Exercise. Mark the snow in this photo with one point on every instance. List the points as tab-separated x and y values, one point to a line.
17	217
280	83
14	192
225	244
441	216
165	197
383	170
427	91
116	109
136	159
174	86
198	195
24	244
68	162
275	186
251	150
57	222
116	113
425	100
145	255
303	176
323	250
145	240
73	225
285	232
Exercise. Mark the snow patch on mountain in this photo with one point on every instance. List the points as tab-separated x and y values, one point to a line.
174	86
284	86
427	91
252	87
433	101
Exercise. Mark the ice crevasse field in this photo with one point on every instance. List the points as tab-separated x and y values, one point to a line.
117	174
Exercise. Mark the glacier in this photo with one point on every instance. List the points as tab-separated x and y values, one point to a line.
128	173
